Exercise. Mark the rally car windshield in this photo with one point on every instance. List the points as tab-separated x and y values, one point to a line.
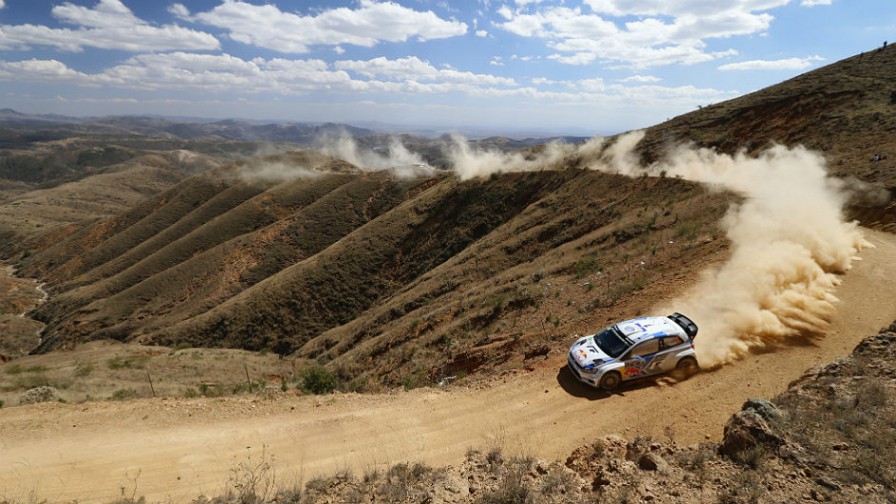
612	342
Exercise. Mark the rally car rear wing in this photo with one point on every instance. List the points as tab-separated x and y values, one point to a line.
687	324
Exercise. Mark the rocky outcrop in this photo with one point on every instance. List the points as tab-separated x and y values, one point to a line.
750	428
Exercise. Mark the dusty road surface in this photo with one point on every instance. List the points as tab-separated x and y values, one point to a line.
177	449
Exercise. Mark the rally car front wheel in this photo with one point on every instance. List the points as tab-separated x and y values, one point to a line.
610	380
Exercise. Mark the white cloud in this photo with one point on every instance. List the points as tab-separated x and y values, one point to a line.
542	81
481	33
496	61
109	25
640	33
2	4
415	69
582	58
781	64
233	78
813	3
680	7
373	22
106	14
228	74
179	11
41	70
596	84
641	79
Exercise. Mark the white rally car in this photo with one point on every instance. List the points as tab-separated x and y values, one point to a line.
635	348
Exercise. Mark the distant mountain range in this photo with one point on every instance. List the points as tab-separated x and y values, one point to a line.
228	129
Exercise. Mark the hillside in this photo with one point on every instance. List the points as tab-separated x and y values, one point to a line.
370	265
847	110
405	279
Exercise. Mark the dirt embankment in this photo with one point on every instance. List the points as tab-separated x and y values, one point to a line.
178	448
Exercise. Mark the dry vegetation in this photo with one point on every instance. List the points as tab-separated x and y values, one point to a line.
108	370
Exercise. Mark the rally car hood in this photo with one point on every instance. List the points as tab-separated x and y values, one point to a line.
587	354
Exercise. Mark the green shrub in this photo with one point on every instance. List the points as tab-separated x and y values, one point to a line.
83	369
688	229
318	380
586	266
122	394
130	362
511	489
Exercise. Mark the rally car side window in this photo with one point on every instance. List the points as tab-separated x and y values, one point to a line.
671	341
646	348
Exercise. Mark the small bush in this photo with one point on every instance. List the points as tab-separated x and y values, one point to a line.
585	267
558	482
254	481
40	394
688	229
401	480
752	457
122	394
83	369
512	489
130	362
318	380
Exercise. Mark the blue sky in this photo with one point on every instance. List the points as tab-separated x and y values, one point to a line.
588	66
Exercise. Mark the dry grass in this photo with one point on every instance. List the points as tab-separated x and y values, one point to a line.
105	370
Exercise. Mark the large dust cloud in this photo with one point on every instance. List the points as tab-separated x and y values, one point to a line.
469	162
395	157
789	239
789	242
788	235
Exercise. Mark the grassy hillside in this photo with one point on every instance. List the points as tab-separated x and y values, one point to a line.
392	280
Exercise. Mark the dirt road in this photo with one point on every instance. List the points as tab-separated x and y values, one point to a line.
177	449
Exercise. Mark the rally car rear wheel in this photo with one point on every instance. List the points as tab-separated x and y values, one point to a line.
610	380
686	366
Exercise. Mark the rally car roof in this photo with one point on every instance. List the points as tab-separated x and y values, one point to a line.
644	328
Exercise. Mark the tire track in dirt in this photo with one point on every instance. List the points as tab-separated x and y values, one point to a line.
176	449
